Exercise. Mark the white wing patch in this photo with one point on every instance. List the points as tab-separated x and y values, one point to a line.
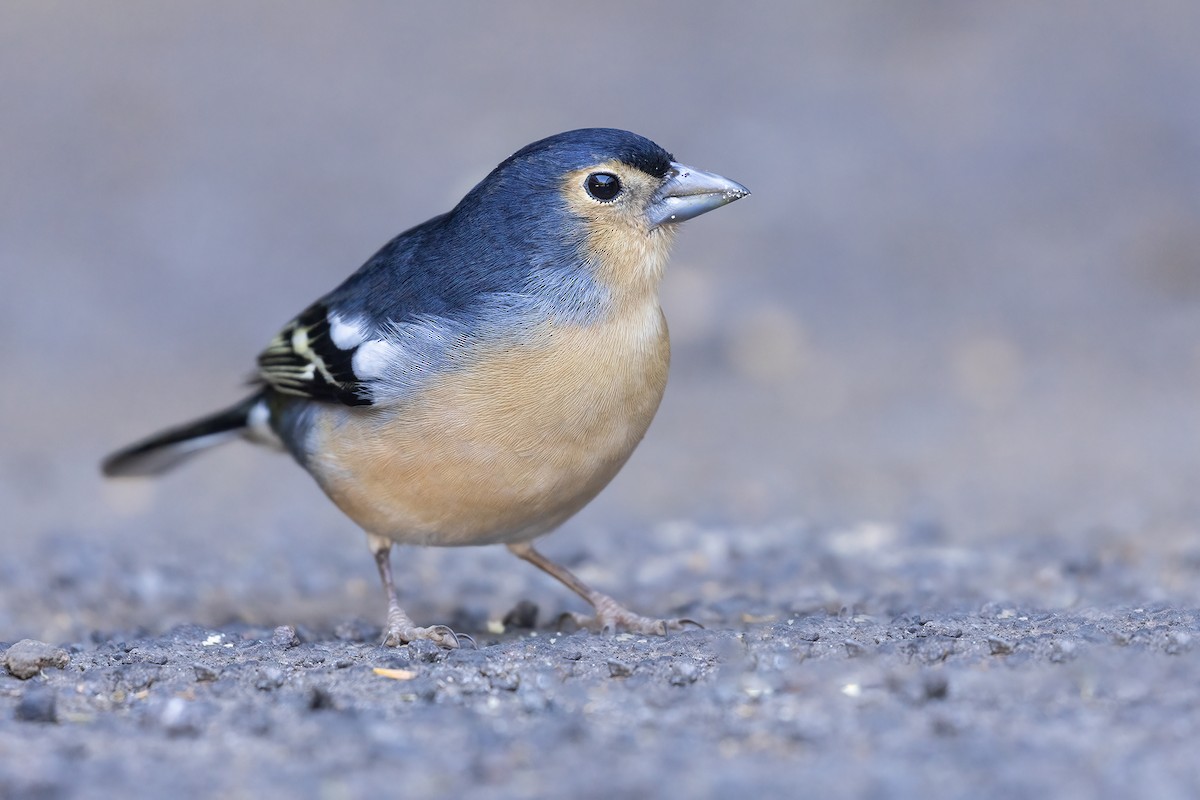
409	355
375	358
346	334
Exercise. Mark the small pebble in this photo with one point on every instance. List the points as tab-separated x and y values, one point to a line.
285	637
423	650
27	657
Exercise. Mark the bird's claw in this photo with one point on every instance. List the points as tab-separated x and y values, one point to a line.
441	635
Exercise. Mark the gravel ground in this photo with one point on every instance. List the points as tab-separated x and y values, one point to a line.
893	676
926	469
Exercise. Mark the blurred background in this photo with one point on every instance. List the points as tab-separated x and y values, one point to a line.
964	294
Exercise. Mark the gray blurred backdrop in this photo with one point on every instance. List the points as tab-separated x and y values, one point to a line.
964	293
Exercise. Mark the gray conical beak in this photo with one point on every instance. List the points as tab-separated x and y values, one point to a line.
688	192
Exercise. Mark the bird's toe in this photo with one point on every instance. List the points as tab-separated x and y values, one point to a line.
441	635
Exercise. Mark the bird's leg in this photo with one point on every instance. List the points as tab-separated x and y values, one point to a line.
610	614
400	629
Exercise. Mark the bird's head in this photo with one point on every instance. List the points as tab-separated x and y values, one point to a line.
603	199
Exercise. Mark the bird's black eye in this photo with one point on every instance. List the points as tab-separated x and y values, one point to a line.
603	186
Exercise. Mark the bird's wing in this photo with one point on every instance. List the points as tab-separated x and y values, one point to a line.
307	359
374	338
405	316
344	356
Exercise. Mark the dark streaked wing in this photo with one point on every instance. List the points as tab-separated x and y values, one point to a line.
303	361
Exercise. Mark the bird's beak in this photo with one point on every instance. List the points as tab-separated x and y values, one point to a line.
687	192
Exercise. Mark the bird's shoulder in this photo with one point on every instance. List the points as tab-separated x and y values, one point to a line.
408	313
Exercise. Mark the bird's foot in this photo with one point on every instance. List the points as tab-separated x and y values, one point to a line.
401	630
611	616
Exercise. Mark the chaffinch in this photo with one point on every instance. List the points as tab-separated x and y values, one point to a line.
487	373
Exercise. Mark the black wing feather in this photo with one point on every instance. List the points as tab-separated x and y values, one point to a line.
303	361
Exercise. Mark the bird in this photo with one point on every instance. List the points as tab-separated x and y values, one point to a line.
485	374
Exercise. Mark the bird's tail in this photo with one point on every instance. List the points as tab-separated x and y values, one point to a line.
164	450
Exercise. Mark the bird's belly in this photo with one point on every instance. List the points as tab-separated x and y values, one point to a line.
502	451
